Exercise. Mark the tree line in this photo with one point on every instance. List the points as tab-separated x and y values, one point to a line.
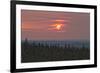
38	52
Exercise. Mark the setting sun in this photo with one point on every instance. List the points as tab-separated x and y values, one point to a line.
58	26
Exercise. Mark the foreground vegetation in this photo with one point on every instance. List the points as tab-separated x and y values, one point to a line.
32	52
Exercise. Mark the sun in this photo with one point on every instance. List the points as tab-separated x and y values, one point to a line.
58	26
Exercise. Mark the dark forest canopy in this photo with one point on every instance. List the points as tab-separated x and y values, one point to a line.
40	52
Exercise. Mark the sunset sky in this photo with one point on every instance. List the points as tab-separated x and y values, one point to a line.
52	25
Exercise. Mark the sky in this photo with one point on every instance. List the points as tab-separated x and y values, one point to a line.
52	25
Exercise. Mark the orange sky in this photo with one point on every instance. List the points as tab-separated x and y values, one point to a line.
49	25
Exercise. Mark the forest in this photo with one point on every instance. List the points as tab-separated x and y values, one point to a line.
40	52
